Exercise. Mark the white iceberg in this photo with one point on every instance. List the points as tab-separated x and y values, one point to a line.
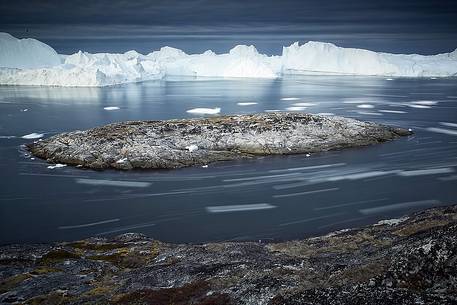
204	110
30	62
26	53
33	135
111	108
326	58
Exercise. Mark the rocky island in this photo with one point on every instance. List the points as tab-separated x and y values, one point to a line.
410	260
187	142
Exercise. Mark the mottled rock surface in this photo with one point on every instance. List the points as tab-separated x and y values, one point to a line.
186	142
409	261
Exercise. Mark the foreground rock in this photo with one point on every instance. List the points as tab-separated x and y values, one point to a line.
180	143
408	261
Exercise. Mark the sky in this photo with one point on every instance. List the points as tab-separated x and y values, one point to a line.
401	26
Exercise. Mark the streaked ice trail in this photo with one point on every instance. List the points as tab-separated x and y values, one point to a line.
89	224
399	206
443	130
431	171
306	193
119	183
239	208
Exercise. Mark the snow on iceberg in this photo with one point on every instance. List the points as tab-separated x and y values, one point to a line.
326	58
26	53
30	62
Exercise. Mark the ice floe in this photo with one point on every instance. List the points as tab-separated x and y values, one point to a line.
365	106
58	165
32	135
110	108
204	110
246	103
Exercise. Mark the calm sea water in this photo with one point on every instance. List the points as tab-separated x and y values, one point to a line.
270	198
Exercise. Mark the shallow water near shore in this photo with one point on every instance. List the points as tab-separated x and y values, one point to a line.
268	198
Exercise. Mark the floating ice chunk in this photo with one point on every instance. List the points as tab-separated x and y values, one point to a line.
7	137
58	165
429	103
389	79
392	111
111	108
326	113
273	110
365	106
239	208
246	103
419	106
33	135
24	110
353	101
192	147
303	104
368	113
204	110
295	108
290	99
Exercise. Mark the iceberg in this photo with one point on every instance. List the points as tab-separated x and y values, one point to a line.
31	62
26	53
326	58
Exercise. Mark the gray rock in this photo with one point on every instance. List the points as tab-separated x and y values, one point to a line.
412	261
187	142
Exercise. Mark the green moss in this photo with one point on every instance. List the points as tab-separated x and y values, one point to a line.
13	281
44	270
57	256
420	226
53	298
98	291
83	245
122	258
192	293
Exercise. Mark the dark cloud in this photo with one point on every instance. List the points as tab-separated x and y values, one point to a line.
160	12
382	25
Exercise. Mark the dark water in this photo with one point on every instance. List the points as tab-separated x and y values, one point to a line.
274	197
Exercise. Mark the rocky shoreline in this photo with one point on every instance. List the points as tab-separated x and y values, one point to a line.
187	142
411	260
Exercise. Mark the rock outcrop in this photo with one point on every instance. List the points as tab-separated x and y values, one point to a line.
187	142
411	260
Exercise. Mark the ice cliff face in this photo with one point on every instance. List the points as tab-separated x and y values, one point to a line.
30	62
26	53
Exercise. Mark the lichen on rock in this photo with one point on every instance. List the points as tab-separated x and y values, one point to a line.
369	265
